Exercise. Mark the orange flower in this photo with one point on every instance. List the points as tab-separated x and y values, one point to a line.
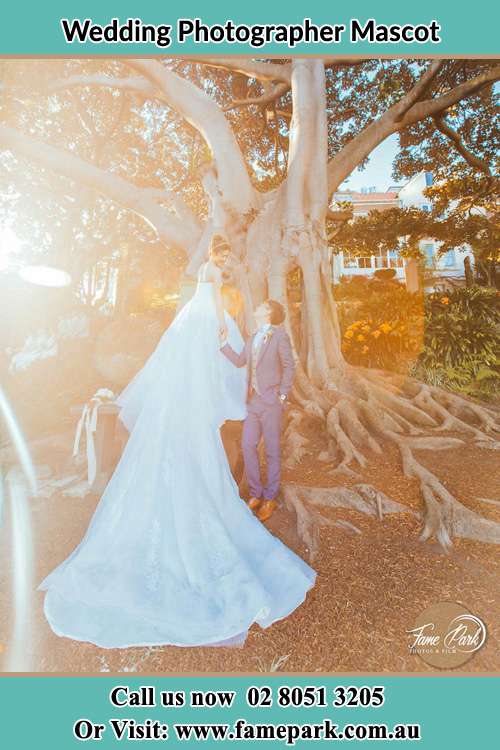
376	334
348	334
385	328
445	300
360	337
366	329
364	349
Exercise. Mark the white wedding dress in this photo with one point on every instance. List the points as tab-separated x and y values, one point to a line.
172	554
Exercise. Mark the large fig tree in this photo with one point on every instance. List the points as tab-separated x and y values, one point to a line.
274	140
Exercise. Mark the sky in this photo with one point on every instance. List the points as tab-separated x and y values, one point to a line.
378	172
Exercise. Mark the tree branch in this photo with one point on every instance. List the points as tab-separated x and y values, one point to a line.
361	146
469	157
418	90
271	94
341	165
158	82
338	62
134	85
430	107
179	233
207	117
250	68
166	197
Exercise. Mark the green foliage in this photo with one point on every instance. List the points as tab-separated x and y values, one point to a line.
475	120
473	378
460	327
450	340
379	299
462	343
399	229
385	274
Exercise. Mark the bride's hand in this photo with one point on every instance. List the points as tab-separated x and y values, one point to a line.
223	332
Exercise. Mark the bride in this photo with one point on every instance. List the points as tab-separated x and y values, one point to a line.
173	555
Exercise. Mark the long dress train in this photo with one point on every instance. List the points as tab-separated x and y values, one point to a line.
172	554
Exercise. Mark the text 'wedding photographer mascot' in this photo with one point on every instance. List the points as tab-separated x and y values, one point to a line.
172	554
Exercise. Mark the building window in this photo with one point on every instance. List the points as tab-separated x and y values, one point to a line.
395	261
365	262
428	250
381	261
448	259
349	261
389	259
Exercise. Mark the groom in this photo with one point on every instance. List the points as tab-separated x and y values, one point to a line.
270	364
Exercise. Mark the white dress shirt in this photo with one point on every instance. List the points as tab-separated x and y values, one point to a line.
259	336
261	332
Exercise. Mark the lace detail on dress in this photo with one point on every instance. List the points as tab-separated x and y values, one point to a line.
153	561
222	555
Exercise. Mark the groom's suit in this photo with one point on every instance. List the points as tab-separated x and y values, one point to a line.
269	360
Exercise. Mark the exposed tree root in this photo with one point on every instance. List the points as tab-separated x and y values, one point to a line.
342	524
307	502
495	503
296	443
372	406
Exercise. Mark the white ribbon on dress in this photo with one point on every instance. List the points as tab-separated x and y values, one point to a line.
88	420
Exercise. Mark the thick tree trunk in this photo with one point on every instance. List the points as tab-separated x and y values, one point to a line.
361	409
272	235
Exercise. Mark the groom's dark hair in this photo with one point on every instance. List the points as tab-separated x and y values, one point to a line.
277	312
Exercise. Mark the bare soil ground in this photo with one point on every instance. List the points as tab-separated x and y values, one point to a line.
370	588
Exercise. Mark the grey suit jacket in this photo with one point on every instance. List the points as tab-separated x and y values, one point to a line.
275	366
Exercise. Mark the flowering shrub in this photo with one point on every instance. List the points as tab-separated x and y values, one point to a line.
452	340
377	344
383	328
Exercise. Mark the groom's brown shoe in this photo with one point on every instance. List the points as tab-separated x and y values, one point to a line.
266	510
254	503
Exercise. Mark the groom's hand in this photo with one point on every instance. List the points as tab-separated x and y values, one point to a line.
223	335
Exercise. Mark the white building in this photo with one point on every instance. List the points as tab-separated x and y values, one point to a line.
448	268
